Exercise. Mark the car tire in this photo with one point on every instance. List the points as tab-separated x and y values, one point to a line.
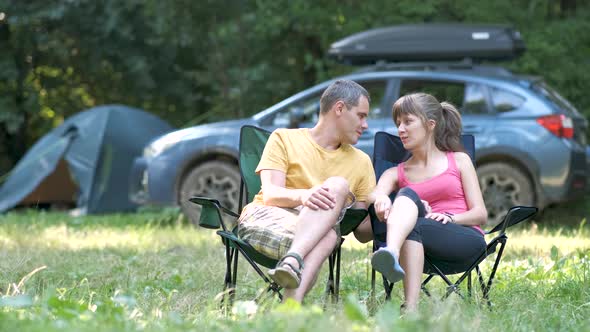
214	179
503	186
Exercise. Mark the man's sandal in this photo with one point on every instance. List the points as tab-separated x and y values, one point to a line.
288	276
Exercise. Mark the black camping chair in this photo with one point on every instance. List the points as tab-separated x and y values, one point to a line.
388	152
252	142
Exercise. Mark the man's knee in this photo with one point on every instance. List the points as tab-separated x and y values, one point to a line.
338	185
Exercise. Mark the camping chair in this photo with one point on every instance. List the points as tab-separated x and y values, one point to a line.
388	152
252	142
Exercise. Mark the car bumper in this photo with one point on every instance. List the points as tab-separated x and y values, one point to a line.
563	173
138	178
577	184
149	182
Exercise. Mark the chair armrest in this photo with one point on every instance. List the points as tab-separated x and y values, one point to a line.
211	212
515	215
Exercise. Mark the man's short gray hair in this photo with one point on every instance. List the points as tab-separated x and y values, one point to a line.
349	92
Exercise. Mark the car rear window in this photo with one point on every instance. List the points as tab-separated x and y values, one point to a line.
469	98
505	101
551	95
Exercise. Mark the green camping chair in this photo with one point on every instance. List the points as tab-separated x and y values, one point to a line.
252	142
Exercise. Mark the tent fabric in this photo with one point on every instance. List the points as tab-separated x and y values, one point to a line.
98	146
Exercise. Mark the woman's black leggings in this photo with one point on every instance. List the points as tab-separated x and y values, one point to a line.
451	247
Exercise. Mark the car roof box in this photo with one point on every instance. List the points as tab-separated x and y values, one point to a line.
429	42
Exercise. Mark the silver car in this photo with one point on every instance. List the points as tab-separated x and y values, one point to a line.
530	141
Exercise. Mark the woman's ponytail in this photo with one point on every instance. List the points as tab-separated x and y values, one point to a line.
447	133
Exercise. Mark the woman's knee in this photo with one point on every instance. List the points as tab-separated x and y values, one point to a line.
408	193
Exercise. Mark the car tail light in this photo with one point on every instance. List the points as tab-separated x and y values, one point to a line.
558	124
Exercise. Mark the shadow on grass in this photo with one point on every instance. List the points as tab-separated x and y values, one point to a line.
566	215
164	217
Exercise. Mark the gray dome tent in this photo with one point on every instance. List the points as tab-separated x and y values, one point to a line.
86	159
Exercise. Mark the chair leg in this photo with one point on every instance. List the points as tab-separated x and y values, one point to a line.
388	288
228	270
272	286
234	280
373	273
453	288
228	283
469	284
373	277
483	286
268	292
426	281
330	283
337	284
333	285
496	263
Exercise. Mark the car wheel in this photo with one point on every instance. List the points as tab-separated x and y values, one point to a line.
503	186
214	179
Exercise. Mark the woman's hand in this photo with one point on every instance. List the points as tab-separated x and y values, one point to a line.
441	217
427	207
382	207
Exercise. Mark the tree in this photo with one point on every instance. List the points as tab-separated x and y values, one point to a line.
199	61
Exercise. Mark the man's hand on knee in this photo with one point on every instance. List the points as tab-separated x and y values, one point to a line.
318	197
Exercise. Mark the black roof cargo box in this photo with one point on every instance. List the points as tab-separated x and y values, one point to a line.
429	42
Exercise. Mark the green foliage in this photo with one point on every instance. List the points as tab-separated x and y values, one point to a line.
140	272
191	62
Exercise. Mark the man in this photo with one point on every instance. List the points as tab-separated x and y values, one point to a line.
309	178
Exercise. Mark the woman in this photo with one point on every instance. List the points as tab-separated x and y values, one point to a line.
439	206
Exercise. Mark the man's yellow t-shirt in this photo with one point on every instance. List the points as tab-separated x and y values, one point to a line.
307	164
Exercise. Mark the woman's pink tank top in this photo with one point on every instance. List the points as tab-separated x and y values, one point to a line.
444	192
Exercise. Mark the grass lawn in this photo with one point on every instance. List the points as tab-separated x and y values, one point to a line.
151	272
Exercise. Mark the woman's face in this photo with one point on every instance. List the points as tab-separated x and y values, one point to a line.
412	131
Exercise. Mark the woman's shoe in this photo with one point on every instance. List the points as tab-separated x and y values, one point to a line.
385	262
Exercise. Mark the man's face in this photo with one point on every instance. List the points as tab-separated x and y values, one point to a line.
354	121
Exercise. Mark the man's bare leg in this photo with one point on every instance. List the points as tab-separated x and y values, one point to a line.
313	263
313	225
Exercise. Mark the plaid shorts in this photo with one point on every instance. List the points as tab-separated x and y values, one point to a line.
270	229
